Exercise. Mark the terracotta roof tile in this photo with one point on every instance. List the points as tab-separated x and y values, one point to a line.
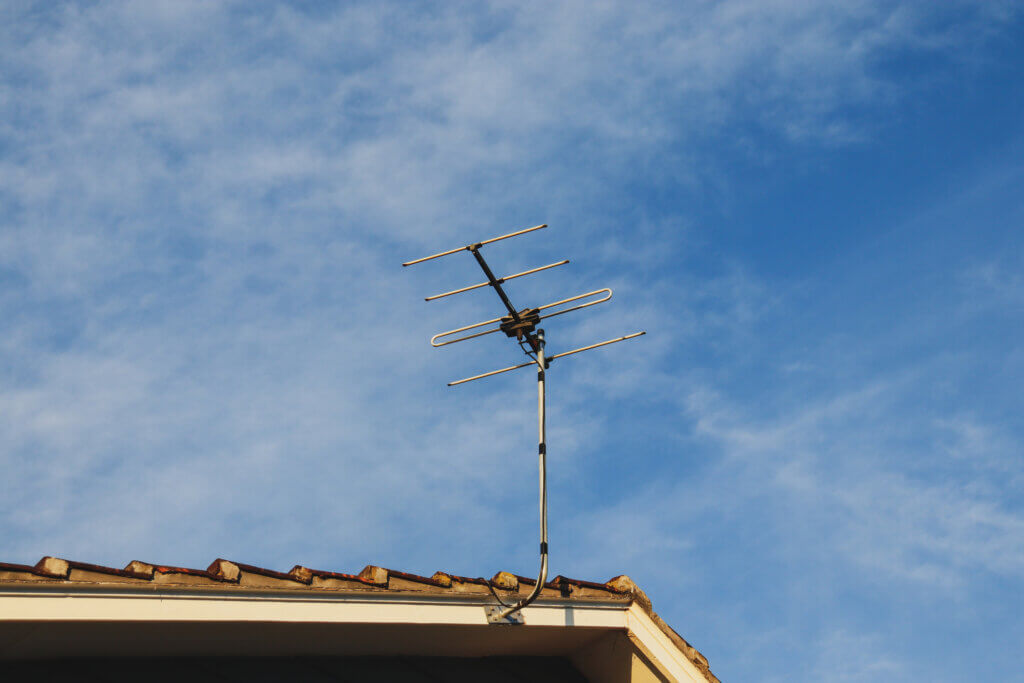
249	575
142	568
505	581
17	572
442	579
161	569
417	579
83	571
326	579
53	567
375	576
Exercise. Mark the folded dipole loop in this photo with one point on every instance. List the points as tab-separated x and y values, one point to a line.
434	341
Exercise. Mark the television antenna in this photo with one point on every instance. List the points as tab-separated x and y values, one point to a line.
521	324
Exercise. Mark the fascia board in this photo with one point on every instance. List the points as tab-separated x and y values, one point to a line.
660	649
266	606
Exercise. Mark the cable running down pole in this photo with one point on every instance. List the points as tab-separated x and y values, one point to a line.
542	456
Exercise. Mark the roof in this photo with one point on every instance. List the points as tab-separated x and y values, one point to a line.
224	575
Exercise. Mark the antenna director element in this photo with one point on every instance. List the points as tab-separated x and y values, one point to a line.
521	325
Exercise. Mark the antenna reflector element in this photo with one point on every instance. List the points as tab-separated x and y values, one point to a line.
469	247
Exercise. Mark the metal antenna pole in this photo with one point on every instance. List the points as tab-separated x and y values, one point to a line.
542	454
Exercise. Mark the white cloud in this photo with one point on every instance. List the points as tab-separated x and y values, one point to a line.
891	505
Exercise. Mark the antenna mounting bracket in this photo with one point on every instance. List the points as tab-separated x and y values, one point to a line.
524	326
495	616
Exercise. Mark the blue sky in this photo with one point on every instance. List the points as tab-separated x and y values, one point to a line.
812	463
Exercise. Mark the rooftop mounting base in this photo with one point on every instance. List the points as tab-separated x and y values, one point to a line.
493	613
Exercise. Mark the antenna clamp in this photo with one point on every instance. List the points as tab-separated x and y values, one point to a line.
524	326
495	616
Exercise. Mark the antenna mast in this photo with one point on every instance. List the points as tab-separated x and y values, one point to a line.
522	325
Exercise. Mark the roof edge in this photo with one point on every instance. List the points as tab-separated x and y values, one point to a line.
221	573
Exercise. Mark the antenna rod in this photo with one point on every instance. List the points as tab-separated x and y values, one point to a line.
467	247
499	280
542	456
595	346
557	355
